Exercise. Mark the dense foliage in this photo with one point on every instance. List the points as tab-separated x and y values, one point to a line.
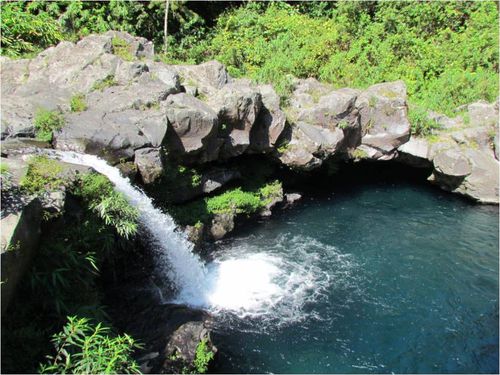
84	348
46	123
70	258
446	52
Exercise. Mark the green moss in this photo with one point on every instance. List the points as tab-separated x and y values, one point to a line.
46	122
43	174
78	103
372	101
4	169
122	49
109	81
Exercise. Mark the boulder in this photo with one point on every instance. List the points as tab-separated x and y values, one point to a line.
221	225
215	178
482	113
149	163
114	136
415	152
193	127
237	105
180	351
269	124
309	145
206	78
20	236
384	120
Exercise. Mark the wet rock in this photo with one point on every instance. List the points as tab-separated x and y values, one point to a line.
181	348
221	225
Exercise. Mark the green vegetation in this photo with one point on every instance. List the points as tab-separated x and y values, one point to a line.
446	52
104	83
203	357
359	154
82	348
237	200
78	103
121	49
420	122
46	122
110	205
234	200
4	169
43	174
69	259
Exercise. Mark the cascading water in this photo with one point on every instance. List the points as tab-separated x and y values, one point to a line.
244	281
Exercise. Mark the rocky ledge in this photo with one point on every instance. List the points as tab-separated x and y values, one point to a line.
139	109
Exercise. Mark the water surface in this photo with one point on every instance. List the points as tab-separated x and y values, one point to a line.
380	278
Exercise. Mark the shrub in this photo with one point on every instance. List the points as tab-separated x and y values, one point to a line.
270	191
43	174
82	348
26	33
202	357
46	122
78	103
237	200
111	206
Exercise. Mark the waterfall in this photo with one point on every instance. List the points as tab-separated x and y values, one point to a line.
244	280
184	268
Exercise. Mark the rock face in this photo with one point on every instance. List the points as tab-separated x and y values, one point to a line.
135	106
462	158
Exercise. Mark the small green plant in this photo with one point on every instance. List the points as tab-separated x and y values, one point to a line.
4	169
203	357
82	348
372	101
359	154
343	124
78	103
122	49
43	174
420	122
46	122
109	81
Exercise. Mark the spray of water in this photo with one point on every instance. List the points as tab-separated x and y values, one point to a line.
242	280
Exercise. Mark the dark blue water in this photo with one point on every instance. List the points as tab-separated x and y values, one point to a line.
406	279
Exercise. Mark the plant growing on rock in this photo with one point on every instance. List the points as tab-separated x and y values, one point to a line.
203	357
43	174
122	49
46	122
420	122
237	200
78	103
109	81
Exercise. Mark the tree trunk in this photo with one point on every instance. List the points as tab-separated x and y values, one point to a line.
165	27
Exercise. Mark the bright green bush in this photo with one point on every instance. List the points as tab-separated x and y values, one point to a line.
237	200
24	32
84	348
43	174
446	52
203	357
270	191
46	122
111	206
